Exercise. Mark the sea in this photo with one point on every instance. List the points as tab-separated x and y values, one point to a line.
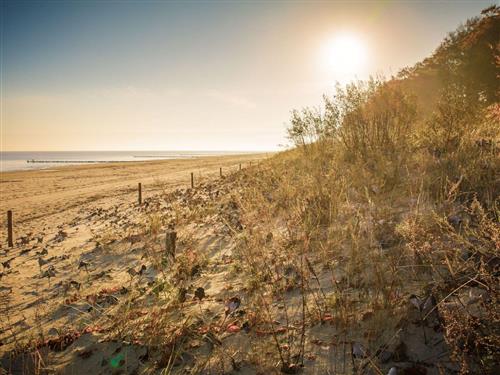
26	160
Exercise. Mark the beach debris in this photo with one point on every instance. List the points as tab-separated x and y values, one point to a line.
43	252
132	271
51	271
246	326
103	273
5	288
423	304
455	220
269	237
142	270
60	236
24	240
290	368
71	284
415	301
102	298
60	342
75	284
232	304
42	262
53	332
233	328
195	270
181	295
327	317
199	293
48	273
6	264
358	350
430	303
25	251
83	264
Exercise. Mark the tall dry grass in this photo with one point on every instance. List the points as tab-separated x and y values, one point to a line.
378	201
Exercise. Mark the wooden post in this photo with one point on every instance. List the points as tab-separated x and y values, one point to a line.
170	238
240	166
192	180
9	229
220	171
140	192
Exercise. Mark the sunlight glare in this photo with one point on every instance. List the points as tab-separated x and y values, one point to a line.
345	56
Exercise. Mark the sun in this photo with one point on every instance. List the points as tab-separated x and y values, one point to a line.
345	55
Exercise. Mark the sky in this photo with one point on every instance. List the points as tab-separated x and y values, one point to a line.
195	75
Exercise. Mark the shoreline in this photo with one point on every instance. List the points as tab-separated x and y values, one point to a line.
39	193
65	165
51	160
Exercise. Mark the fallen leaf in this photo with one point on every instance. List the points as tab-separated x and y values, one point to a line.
199	293
327	317
233	328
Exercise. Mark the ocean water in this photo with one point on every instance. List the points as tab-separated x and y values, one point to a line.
18	160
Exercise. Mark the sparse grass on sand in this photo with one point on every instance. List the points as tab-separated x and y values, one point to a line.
372	247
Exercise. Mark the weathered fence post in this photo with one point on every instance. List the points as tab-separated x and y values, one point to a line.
240	166
140	192
9	229
170	238
220	171
192	180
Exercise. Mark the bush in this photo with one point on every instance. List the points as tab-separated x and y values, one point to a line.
460	147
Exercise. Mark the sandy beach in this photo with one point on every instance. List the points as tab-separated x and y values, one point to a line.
48	198
63	216
141	233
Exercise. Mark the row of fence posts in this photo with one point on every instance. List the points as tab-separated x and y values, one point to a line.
10	238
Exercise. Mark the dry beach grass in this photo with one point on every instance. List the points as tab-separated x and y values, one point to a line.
372	247
62	217
274	272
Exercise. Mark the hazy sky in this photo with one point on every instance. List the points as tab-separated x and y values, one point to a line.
157	75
